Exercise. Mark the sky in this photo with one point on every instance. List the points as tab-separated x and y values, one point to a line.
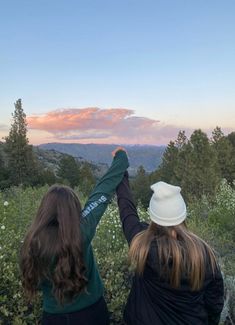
117	71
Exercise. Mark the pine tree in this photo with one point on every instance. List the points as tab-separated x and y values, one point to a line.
48	177
167	167
181	140
141	187
20	158
87	179
203	175
3	173
225	154
68	170
231	138
181	163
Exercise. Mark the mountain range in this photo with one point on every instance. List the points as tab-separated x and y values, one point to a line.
148	156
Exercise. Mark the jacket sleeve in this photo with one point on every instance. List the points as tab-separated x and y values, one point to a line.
101	195
214	298
131	224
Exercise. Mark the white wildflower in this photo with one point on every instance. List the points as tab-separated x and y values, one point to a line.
3	227
5	204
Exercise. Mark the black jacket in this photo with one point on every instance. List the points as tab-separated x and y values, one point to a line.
152	300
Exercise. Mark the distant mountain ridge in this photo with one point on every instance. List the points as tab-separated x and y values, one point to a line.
148	156
50	159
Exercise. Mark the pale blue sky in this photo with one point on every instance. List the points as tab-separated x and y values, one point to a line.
170	60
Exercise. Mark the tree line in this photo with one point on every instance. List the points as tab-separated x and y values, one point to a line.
197	164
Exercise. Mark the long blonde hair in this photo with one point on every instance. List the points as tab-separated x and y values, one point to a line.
180	252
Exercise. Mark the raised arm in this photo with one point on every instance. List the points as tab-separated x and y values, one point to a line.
127	210
102	193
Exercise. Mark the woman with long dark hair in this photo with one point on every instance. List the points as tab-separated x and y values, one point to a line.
57	257
177	280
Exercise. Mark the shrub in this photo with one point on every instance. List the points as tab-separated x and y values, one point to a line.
110	248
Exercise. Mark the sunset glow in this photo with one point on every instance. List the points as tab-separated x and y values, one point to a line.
118	71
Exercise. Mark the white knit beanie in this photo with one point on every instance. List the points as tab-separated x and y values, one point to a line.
167	206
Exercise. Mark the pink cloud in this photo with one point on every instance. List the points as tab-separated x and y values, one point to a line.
78	119
112	125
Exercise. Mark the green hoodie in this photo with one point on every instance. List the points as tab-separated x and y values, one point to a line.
91	215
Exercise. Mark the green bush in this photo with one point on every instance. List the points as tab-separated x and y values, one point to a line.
110	248
223	211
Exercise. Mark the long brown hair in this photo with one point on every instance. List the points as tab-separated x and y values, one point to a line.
180	252
52	248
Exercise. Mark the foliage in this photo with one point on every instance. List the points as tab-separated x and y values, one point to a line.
18	206
223	212
76	173
141	187
225	154
68	170
192	164
203	176
196	164
4	174
167	167
87	178
231	138
21	163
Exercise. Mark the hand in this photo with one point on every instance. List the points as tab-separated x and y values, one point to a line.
118	149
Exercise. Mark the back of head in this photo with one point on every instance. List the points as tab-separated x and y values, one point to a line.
52	247
167	206
60	208
181	253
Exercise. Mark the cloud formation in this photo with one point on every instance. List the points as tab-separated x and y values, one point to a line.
112	125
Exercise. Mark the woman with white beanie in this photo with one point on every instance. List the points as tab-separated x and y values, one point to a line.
177	279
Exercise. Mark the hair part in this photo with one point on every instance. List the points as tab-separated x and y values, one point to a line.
52	248
180	253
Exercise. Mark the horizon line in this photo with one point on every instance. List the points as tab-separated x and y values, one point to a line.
101	144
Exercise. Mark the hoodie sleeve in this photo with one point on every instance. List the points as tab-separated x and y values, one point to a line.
131	224
102	194
214	298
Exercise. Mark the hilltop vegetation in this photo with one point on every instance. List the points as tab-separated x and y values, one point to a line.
197	164
203	167
50	159
213	222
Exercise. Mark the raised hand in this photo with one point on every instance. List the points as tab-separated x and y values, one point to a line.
118	149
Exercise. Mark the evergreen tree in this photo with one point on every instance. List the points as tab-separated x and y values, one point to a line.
182	161
3	173
225	154
141	187
68	170
203	175
155	176
20	158
231	138
87	179
181	140
47	176
167	167
183	169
